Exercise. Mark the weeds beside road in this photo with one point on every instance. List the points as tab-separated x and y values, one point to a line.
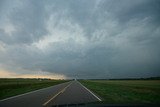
126	91
12	87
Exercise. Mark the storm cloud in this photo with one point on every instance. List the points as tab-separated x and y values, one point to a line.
81	38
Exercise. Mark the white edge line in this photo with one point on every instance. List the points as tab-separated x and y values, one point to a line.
27	93
90	91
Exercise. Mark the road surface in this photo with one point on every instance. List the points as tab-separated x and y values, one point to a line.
67	93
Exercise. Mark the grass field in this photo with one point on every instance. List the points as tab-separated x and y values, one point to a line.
126	91
12	87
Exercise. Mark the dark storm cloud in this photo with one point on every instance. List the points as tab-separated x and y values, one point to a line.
84	39
28	18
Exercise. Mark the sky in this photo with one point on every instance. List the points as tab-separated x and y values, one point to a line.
79	38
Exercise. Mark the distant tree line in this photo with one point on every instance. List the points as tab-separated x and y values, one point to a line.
148	78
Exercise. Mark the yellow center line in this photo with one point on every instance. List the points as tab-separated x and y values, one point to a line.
61	91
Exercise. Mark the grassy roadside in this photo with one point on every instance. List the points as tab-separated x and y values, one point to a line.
12	87
126	91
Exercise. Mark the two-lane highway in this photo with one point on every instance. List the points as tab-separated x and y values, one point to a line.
75	93
71	92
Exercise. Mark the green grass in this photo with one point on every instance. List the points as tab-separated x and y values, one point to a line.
12	87
126	91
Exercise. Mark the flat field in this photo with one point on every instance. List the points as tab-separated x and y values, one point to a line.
126	91
12	87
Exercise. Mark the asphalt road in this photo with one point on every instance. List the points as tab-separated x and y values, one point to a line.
67	93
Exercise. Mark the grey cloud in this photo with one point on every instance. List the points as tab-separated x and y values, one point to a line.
90	39
28	19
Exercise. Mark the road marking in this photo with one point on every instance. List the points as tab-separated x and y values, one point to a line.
90	91
27	93
57	94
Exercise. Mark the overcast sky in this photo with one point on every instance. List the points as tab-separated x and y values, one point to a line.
80	38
